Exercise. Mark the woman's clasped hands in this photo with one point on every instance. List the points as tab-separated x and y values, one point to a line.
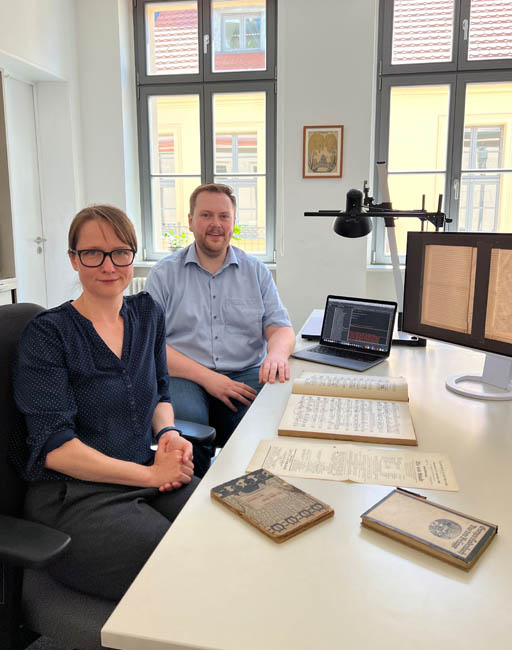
173	464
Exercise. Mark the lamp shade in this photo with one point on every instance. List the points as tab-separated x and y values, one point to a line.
353	223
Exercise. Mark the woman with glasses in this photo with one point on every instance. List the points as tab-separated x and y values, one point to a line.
91	380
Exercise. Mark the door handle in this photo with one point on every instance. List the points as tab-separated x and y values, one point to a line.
40	240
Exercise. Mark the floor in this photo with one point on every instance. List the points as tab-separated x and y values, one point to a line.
43	643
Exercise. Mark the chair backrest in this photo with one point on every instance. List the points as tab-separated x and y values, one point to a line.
13	319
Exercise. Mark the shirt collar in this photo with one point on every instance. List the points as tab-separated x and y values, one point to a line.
192	258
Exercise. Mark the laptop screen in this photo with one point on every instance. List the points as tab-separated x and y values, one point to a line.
358	324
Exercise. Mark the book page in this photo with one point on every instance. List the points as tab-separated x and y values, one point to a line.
498	318
345	462
449	287
354	419
331	384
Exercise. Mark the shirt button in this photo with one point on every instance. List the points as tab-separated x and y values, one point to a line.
216	358
214	296
216	337
214	317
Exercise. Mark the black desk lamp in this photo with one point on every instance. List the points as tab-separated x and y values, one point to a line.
355	222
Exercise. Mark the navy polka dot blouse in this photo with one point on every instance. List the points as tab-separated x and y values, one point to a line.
68	383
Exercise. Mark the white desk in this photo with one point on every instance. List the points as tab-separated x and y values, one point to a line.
216	583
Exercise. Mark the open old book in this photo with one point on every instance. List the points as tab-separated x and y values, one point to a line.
349	407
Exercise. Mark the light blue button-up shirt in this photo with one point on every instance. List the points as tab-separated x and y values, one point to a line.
217	320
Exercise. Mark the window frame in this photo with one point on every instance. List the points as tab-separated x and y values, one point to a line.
205	84
457	76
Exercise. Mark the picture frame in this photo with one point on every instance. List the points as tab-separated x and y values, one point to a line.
322	153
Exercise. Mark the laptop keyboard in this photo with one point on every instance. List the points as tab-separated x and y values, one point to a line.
357	356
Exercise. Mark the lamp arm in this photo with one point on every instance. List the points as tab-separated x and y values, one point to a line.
437	219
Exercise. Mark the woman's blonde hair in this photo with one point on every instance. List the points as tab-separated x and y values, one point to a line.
115	217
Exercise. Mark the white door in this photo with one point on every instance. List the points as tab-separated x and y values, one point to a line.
25	191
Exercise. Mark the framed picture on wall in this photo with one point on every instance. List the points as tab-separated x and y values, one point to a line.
322	152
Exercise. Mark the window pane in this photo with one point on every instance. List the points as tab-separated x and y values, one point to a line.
418	119
482	147
174	150
170	207
486	179
172	41
406	192
250	200
481	206
239	132
490	30
174	134
238	35
422	31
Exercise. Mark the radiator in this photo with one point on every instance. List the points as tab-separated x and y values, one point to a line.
135	286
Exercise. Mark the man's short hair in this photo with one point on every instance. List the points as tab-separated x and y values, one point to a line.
212	187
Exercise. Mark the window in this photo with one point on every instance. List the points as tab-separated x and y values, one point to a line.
444	112
206	111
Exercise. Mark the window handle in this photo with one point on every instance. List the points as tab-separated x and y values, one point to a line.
206	42
465	28
456	186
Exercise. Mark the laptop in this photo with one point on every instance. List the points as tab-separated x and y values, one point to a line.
356	333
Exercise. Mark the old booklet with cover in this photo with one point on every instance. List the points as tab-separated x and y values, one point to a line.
278	509
349	407
429	527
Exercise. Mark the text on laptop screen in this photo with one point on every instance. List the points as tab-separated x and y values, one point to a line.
358	324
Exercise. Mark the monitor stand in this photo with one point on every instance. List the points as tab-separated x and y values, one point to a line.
497	374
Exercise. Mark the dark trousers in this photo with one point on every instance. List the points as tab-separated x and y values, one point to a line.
192	402
113	528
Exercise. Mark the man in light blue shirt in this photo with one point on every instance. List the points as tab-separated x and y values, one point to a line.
227	331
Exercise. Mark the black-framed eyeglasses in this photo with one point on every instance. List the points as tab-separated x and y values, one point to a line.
92	257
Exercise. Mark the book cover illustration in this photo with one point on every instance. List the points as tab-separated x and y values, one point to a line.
276	507
440	531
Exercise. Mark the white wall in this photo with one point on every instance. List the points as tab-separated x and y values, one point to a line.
37	34
108	104
80	55
326	75
37	44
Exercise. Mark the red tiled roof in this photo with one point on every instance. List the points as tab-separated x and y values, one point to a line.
176	41
176	46
422	31
240	61
490	34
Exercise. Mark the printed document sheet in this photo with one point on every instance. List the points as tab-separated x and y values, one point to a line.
346	462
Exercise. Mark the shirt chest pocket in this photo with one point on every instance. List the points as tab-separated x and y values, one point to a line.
243	317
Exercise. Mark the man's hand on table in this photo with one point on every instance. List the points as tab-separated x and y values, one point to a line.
226	389
275	365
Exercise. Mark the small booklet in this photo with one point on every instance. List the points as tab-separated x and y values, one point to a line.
349	407
277	508
429	527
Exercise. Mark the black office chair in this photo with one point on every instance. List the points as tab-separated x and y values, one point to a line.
32	603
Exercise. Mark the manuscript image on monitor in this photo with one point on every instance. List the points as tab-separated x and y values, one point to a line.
458	289
449	287
498	318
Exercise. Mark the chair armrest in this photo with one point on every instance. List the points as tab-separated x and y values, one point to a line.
195	432
29	544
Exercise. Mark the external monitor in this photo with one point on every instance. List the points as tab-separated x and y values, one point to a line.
458	289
